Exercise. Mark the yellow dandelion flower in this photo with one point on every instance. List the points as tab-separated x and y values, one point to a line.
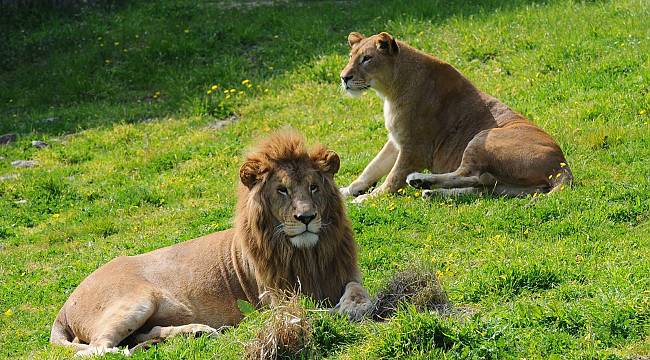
266	90
642	112
249	86
9	312
562	164
214	87
209	91
558	175
228	96
241	93
232	90
56	216
245	82
226	91
550	176
157	93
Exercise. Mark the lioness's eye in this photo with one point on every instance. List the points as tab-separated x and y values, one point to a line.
313	188
366	58
283	191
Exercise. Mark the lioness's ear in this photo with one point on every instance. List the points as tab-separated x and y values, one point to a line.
327	161
250	173
386	43
354	38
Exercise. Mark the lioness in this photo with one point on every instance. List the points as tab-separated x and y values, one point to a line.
437	120
290	232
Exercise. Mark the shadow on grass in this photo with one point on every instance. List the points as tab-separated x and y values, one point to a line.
148	60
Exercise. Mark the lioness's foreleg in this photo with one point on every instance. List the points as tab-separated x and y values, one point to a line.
405	164
378	167
355	302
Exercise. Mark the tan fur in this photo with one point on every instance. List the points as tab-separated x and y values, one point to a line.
438	121
192	287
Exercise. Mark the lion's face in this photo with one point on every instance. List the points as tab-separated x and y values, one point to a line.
371	62
297	194
297	204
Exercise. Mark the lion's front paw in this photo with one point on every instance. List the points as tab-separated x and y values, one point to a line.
355	302
419	180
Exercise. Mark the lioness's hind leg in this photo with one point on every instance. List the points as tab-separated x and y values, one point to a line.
516	191
448	180
428	194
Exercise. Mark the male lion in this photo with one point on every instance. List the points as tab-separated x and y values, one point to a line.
291	232
437	120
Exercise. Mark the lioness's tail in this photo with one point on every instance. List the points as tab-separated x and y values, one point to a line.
60	334
561	178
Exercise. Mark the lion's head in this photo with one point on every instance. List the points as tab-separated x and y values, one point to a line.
292	214
294	186
371	62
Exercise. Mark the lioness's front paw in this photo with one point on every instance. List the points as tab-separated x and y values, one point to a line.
361	198
355	302
419	180
353	189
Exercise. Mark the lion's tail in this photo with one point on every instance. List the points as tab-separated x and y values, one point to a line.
561	179
61	335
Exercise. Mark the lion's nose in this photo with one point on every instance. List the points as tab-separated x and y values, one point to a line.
346	78
305	218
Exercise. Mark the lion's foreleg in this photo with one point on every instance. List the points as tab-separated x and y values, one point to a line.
378	167
355	302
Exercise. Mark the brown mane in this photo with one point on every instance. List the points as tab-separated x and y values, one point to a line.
321	271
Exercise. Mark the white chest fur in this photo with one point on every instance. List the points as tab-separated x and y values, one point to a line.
390	123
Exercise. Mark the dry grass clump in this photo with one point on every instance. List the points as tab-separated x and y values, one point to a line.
415	285
285	333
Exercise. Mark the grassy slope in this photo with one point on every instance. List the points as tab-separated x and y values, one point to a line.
566	276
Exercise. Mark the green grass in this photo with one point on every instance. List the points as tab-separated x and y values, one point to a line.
133	166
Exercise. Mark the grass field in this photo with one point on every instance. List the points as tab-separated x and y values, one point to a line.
135	163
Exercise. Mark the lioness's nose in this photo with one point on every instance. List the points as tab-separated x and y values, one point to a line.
305	218
346	78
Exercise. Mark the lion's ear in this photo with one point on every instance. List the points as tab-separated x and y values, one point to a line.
354	38
327	161
250	173
386	43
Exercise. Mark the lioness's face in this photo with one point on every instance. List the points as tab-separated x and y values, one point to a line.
370	63
297	204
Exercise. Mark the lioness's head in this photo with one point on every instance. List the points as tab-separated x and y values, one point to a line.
290	190
371	62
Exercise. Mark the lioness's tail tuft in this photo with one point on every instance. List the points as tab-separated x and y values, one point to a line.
561	178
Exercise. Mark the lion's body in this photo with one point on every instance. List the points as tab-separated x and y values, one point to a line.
439	121
194	286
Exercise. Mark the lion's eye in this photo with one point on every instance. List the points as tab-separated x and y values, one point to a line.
283	191
313	188
365	59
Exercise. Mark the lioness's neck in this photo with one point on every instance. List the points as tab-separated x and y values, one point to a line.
417	73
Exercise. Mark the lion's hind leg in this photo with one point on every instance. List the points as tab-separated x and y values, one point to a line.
160	333
119	321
